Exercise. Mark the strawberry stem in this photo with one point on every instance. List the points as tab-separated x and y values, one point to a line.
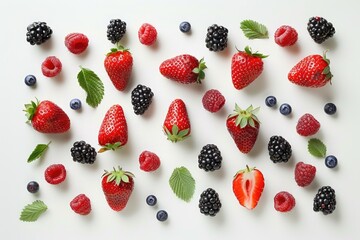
30	109
118	175
175	135
200	71
110	146
245	117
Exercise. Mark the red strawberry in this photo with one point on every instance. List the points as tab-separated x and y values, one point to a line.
81	204
55	174
113	132
149	161
118	65
183	69
312	71
246	67
47	117
117	186
177	123
248	185
307	125
243	126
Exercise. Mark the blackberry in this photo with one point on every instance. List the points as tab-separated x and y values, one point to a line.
279	149
38	33
141	98
320	29
216	38
210	158
116	30
324	200
209	202
82	152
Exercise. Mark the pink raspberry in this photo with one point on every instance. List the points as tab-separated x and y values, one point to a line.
51	66
284	201
286	36
81	204
307	125
304	174
76	42
147	34
213	100
149	161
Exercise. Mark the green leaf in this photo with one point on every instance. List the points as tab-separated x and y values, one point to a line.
182	183
253	29
316	148
38	152
32	211
92	85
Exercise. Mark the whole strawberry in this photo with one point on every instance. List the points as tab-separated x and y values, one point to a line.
312	71
47	117
177	124
307	125
113	132
248	185
246	66
304	174
117	186
243	126
183	69
118	65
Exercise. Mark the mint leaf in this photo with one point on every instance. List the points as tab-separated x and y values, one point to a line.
253	29
92	85
38	152
32	211
316	148
182	183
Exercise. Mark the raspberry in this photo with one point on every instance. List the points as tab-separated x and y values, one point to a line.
307	125
51	66
76	42
55	174
286	36
304	174
149	161
213	100
284	201
81	204
147	34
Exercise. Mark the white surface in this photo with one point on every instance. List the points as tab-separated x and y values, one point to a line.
138	220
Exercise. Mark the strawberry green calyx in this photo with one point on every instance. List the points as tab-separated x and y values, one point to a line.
110	146
200	71
118	176
246	170
245	117
30	109
118	48
326	70
255	54
175	135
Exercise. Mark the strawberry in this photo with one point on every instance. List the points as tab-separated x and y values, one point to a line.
312	71
118	65
248	185
113	132
177	124
47	117
307	125
243	126
183	69
246	67
117	186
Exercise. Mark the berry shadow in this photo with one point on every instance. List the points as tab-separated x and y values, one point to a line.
294	49
84	54
330	44
60	137
48	45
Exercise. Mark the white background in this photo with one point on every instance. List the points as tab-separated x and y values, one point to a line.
137	221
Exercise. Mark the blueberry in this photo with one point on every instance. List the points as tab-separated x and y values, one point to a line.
161	215
285	109
151	200
75	104
30	80
185	27
270	101
330	108
33	187
331	161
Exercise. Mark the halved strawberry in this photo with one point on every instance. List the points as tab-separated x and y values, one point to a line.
248	185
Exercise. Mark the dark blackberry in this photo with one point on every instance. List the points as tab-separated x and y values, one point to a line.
38	33
209	202
320	29
279	149
141	98
216	38
82	152
116	30
210	158
324	200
